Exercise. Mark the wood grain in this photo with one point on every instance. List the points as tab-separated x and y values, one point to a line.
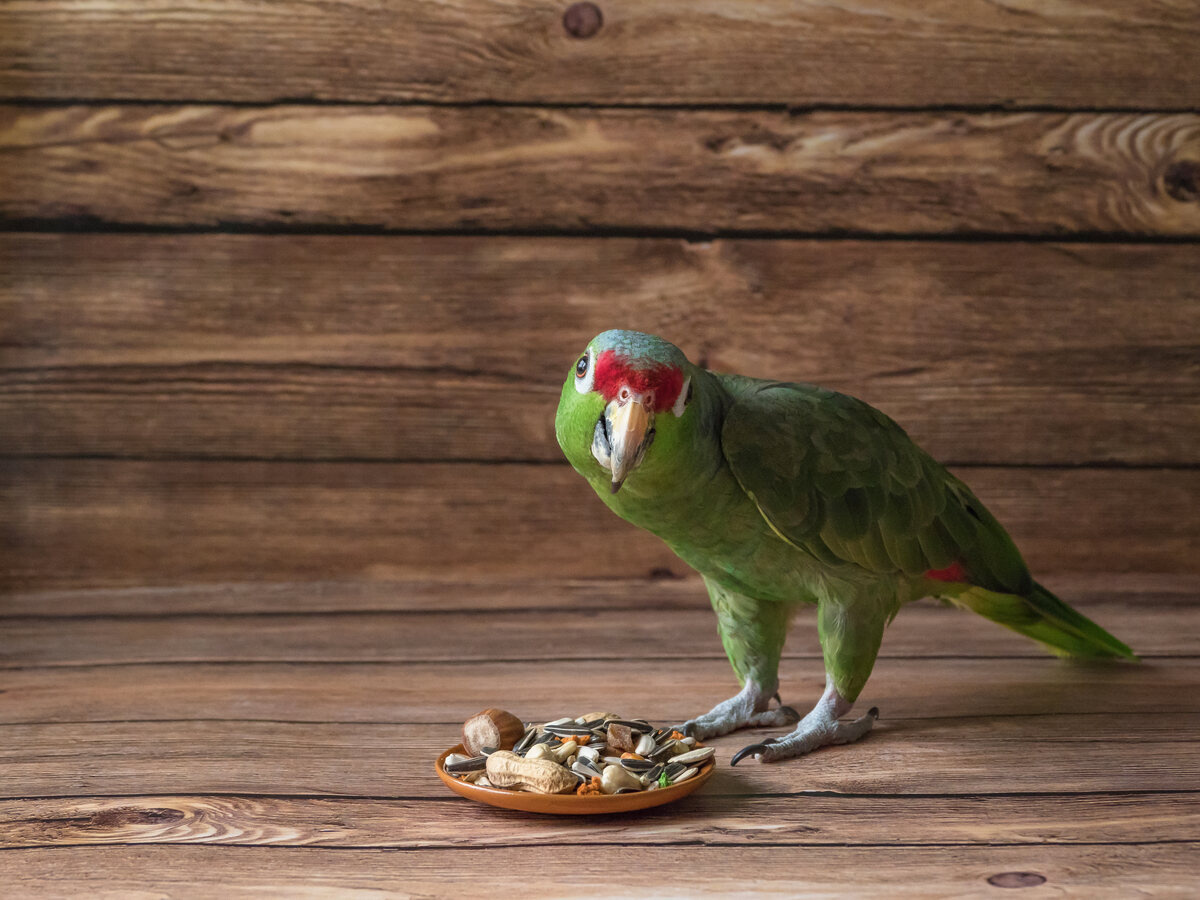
571	632
896	52
1106	593
704	818
706	171
1061	754
439	692
455	348
98	523
1104	871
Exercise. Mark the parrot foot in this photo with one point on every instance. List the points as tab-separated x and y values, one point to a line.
820	728
747	710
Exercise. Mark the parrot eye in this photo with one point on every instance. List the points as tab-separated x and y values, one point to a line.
584	373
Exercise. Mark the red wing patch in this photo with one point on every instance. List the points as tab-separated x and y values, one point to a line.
614	372
952	572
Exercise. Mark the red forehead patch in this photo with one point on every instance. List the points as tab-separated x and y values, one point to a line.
641	376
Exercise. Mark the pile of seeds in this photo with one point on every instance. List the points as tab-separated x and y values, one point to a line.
599	753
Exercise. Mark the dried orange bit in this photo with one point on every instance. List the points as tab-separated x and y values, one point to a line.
589	787
580	739
677	735
631	756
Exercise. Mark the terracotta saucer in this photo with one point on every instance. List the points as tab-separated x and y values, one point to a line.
570	804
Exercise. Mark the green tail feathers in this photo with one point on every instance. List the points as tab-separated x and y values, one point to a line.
1046	619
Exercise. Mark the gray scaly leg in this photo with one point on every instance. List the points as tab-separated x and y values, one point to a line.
752	632
747	709
820	728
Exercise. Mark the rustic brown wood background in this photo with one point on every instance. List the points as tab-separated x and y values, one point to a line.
287	291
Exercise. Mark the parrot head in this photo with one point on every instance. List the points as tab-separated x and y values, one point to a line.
624	407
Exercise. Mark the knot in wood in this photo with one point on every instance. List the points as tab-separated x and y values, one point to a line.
121	816
1016	880
1182	180
582	20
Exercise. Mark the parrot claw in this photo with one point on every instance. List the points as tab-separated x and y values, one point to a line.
749	751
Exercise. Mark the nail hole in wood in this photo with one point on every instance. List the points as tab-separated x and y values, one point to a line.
1016	880
582	20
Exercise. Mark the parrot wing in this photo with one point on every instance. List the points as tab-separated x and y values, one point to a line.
840	480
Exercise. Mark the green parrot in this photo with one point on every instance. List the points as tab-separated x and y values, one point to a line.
781	494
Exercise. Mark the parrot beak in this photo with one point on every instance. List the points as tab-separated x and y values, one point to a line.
630	430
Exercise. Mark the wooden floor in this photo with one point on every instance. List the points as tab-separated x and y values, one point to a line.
237	740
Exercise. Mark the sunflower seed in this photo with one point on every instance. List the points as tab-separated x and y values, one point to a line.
637	765
664	752
466	764
684	775
645	745
586	769
694	756
525	742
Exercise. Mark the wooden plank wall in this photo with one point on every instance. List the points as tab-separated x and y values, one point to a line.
287	290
